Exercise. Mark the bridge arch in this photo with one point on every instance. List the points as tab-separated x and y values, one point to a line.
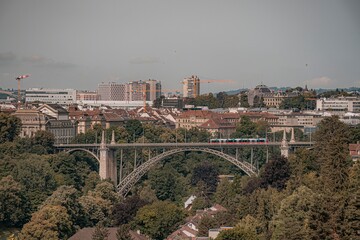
84	150
129	181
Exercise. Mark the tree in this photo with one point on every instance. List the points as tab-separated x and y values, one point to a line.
50	222
245	128
14	209
293	218
10	127
159	219
237	233
331	148
352	205
244	100
45	139
35	174
99	203
125	211
67	197
123	232
276	173
208	174
100	233
206	223
167	183
134	129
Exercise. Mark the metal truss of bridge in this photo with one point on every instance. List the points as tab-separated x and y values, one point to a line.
105	154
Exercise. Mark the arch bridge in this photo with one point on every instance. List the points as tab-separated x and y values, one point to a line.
104	153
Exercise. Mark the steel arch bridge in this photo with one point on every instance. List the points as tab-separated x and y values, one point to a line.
130	180
84	150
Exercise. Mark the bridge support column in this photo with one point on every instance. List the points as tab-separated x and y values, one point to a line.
292	140
107	168
284	147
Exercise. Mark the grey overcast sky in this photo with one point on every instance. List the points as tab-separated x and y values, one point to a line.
80	43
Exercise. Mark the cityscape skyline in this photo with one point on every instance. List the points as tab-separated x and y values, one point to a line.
277	43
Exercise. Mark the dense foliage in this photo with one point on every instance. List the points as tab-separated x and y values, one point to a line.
314	194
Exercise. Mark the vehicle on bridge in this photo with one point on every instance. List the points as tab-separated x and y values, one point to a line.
238	140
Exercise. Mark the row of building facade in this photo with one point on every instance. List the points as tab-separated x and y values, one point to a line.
65	124
147	90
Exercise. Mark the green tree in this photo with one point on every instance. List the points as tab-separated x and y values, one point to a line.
331	146
134	129
293	219
206	223
100	233
10	127
245	128
67	197
98	204
244	100
159	219
44	139
35	174
14	209
125	211
123	232
50	222
167	183
207	173
352	205
276	173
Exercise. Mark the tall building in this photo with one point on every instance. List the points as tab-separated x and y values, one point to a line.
137	90
153	89
58	96
191	87
113	91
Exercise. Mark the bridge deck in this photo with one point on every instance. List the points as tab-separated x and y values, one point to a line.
181	145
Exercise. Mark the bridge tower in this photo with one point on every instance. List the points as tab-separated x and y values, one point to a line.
284	147
107	168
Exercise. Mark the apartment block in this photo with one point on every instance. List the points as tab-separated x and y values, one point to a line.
113	91
191	87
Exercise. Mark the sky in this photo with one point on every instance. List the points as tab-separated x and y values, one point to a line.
80	43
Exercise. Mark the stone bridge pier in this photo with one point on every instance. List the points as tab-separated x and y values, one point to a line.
107	161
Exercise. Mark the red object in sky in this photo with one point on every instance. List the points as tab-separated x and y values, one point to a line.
23	76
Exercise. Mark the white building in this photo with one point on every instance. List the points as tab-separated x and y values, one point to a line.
341	104
56	96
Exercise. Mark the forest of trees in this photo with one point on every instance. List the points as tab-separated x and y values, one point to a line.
314	194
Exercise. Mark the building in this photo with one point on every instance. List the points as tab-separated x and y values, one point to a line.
193	118
275	99
137	90
340	105
113	91
154	89
173	102
257	93
191	87
32	121
354	151
56	96
87	96
48	117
